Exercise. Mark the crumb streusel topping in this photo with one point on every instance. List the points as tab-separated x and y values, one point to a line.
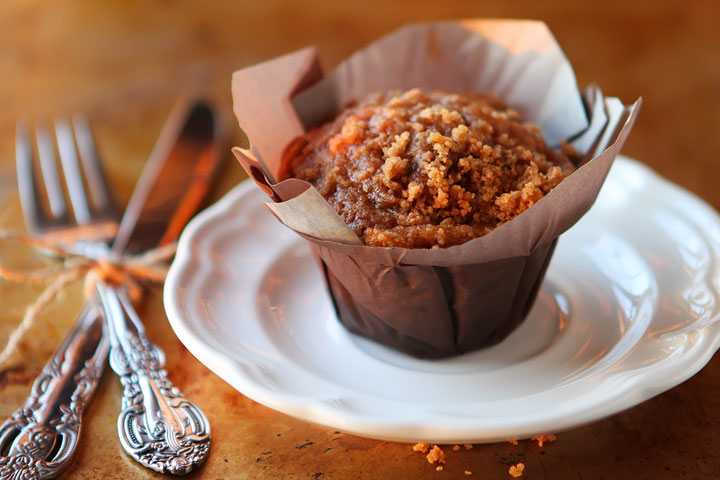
421	169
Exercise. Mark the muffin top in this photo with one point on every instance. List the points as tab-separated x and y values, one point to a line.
421	169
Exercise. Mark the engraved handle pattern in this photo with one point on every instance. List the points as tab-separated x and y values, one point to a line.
158	426
39	440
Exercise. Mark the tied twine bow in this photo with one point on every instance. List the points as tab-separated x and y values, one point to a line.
130	271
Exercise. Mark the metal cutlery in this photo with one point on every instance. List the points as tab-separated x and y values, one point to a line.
158	427
40	439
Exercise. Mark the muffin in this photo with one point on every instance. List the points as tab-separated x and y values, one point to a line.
418	169
432	240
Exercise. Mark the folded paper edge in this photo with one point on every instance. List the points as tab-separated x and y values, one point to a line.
286	75
455	255
324	223
451	255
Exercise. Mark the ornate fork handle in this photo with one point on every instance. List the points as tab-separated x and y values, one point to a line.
41	437
158	427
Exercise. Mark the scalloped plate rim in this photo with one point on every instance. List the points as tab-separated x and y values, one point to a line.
630	389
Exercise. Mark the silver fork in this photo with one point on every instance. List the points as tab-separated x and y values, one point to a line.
40	439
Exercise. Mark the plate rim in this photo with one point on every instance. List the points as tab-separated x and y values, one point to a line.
627	393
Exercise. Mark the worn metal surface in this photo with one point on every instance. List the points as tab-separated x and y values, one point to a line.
124	64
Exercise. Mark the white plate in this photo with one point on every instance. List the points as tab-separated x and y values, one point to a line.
628	309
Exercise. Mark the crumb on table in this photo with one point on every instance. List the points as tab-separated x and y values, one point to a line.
516	470
421	447
542	439
436	455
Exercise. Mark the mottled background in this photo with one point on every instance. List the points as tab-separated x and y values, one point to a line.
125	62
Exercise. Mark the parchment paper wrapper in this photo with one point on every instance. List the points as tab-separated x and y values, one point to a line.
432	302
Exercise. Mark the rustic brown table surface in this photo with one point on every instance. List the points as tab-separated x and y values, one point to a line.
124	63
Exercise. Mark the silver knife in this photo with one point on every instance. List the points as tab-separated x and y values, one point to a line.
158	426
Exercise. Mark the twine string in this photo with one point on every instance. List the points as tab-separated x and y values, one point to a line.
129	271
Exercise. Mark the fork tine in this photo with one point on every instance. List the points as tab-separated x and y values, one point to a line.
71	169
46	152
101	194
29	197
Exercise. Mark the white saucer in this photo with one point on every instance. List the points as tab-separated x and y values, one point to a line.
629	308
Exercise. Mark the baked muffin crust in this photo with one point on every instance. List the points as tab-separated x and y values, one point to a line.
421	169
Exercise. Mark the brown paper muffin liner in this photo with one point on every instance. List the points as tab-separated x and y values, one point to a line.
433	303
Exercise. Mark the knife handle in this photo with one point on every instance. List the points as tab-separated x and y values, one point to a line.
158	426
40	439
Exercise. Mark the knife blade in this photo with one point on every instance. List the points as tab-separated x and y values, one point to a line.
158	426
174	181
